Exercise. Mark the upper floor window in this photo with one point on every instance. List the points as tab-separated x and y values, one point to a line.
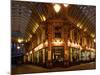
57	35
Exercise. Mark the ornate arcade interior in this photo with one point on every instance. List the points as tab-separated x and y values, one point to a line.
50	34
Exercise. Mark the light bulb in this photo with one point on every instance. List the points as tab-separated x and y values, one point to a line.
57	8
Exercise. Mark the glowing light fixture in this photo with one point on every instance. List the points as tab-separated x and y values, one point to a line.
81	48
26	41
46	43
92	49
78	24
36	25
57	42
39	47
94	40
43	18
69	43
20	40
73	44
30	52
81	27
85	30
57	8
35	28
22	44
65	5
92	35
30	36
18	47
88	48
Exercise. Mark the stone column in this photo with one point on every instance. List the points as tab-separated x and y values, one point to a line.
24	59
49	64
66	50
32	57
43	56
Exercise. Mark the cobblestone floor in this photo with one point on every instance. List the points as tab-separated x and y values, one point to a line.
22	69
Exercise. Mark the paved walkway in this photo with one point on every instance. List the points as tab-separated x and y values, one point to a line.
37	69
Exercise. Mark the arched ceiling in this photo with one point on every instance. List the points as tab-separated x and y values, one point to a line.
27	16
84	17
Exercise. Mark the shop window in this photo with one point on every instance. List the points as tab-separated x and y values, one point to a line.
58	35
74	55
58	55
71	60
84	55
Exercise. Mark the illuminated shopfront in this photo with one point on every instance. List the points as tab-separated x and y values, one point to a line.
63	46
74	55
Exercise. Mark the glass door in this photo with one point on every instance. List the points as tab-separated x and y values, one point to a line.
58	56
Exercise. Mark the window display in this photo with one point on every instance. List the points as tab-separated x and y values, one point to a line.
74	55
